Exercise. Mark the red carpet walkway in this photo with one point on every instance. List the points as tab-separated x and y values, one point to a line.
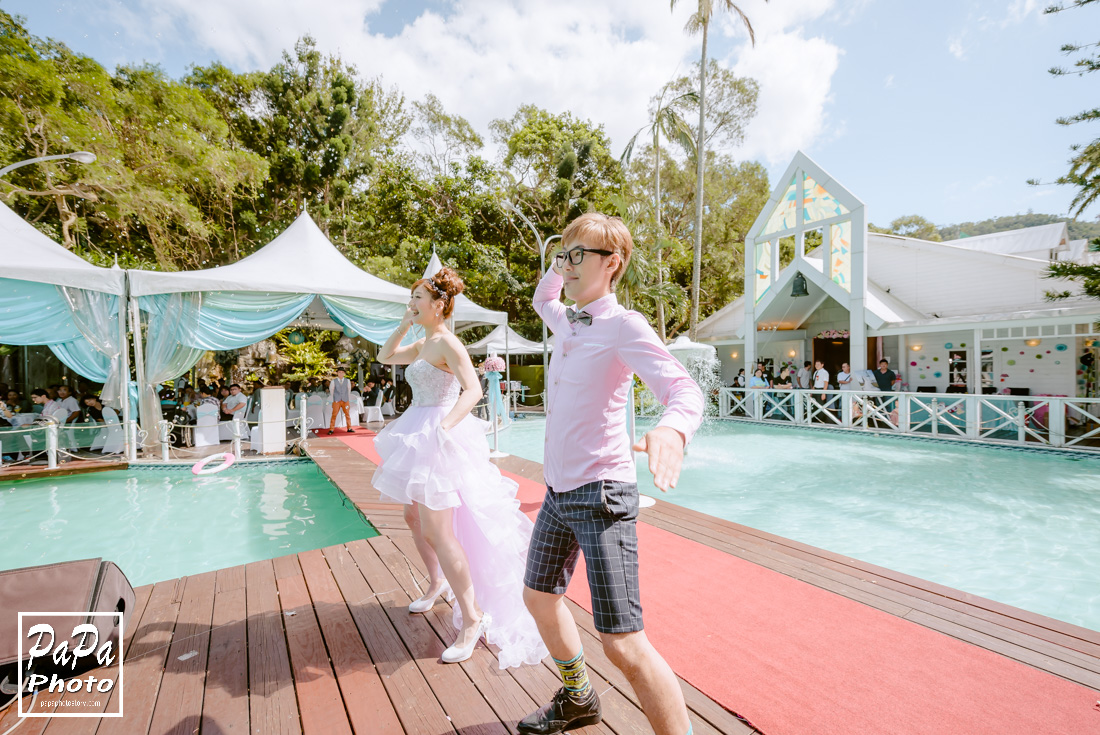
797	659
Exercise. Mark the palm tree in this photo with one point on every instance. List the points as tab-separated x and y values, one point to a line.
700	21
666	120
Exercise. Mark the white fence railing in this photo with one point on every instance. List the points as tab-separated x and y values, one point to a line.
1052	421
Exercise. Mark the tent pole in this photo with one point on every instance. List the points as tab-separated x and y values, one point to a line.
507	363
124	367
139	362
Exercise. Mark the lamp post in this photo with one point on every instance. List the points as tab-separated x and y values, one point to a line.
543	245
78	156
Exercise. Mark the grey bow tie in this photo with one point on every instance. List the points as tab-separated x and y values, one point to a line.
578	316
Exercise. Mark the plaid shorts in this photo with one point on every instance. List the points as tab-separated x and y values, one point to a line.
600	519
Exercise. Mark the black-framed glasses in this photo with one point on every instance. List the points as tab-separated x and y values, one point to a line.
576	255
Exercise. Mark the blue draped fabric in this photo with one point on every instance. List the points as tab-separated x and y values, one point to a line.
34	314
227	320
494	392
84	359
372	320
38	314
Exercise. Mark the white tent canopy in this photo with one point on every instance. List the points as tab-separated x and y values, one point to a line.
495	342
300	260
467	313
28	255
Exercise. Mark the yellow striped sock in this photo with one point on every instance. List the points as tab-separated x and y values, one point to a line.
574	675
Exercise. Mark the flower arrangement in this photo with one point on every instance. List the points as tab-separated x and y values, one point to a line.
834	334
493	364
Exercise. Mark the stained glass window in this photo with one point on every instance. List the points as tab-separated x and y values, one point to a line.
819	204
763	269
783	216
840	254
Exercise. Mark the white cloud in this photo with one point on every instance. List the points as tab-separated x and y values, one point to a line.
955	47
600	61
889	81
1019	10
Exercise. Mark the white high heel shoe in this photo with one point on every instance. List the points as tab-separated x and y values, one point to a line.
426	603
454	654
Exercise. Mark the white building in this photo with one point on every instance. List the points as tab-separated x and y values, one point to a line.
936	310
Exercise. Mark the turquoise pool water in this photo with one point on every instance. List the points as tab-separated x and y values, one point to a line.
1015	526
161	523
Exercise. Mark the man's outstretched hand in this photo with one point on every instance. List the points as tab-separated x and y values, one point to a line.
665	447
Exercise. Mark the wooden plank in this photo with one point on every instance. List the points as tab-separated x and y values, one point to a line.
368	707
286	566
319	702
225	701
145	658
179	703
452	687
230	579
271	705
513	694
413	699
88	725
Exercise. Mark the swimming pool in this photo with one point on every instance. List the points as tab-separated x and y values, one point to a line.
1017	526
162	522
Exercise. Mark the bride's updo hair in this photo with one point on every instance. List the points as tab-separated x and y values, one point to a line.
443	285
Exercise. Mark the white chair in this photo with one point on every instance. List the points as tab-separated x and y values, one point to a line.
115	435
357	408
206	425
387	406
374	413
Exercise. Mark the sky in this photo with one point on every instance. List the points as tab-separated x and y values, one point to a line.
942	108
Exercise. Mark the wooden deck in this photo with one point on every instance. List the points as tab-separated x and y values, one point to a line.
72	467
321	642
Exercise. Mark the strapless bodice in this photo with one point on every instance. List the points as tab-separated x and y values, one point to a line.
430	385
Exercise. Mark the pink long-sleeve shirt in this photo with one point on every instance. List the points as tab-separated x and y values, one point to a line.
590	372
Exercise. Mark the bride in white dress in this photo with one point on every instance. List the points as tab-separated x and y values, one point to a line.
463	513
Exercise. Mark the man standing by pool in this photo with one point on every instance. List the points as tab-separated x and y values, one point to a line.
591	503
339	392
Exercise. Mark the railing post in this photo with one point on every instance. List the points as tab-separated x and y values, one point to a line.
1021	423
236	436
799	407
935	417
1056	421
758	405
723	404
903	413
131	441
973	416
845	411
51	445
162	429
303	417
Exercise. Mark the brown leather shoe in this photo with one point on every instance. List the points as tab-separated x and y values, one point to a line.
562	714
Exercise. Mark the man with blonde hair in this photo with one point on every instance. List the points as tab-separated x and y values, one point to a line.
591	503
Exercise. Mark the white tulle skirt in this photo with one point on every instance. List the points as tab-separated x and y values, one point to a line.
440	469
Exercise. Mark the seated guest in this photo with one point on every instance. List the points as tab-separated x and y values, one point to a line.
235	404
69	403
223	395
372	393
784	381
50	407
93	408
206	395
17	402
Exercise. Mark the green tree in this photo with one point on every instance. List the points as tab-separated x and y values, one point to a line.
666	120
321	130
164	180
911	225
700	23
1084	165
445	137
556	167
